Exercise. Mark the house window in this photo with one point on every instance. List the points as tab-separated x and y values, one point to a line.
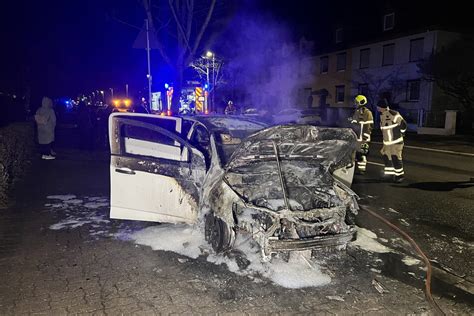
340	94
323	67
341	62
364	58
339	33
413	90
416	49
388	54
364	89
388	21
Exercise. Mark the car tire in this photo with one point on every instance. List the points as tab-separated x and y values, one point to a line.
218	234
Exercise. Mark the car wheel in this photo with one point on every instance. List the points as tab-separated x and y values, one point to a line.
218	234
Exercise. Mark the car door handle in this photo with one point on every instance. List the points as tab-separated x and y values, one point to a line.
125	171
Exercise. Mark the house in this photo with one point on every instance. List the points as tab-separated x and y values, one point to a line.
381	64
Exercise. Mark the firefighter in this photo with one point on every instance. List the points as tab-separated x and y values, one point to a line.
230	109
364	122
393	128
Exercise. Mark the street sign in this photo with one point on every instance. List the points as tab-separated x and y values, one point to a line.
156	103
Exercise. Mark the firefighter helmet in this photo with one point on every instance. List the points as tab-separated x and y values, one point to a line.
360	100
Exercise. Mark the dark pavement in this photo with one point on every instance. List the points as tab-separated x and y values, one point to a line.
72	271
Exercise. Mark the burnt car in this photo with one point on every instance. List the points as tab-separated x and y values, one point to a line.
285	186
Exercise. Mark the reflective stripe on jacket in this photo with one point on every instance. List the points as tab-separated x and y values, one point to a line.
393	126
365	122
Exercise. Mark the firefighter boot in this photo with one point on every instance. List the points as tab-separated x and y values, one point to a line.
361	163
398	169
388	171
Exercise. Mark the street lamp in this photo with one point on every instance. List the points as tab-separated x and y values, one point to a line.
209	55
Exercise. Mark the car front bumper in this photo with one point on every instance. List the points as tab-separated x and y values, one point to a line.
318	242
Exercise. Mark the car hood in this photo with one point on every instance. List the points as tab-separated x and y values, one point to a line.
307	156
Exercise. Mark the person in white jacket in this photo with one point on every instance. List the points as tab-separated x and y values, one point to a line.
46	123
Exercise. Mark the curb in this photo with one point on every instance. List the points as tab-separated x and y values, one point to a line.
459	153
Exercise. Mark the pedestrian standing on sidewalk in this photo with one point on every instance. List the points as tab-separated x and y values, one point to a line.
363	123
46	123
393	128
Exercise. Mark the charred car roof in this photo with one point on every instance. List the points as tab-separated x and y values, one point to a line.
225	123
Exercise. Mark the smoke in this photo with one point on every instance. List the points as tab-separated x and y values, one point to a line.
265	63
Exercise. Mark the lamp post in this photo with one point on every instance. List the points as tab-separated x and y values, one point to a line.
209	55
213	79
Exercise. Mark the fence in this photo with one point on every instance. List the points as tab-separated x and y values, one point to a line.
432	119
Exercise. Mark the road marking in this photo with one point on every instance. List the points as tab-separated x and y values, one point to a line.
436	150
376	163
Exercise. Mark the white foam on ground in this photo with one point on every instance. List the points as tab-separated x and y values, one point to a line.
61	197
410	261
80	212
96	204
189	241
366	240
73	201
181	239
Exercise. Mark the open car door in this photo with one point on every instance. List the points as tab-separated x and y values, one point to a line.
155	174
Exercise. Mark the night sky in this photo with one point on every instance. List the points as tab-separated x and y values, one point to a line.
67	47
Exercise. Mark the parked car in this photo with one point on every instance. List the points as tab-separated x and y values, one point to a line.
285	186
297	116
256	114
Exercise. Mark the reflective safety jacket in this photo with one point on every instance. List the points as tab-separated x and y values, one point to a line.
364	121
393	127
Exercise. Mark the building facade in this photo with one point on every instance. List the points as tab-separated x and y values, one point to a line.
385	68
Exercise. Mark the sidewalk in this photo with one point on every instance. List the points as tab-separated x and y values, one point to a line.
457	143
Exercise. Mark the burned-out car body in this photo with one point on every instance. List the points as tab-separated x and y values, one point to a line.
286	186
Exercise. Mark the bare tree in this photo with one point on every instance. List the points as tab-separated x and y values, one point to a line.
450	71
209	70
191	24
378	85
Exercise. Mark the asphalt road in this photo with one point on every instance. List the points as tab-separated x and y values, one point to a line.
439	187
90	269
435	206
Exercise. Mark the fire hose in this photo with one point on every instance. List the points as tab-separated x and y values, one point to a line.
420	252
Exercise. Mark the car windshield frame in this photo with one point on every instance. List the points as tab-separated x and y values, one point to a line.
225	151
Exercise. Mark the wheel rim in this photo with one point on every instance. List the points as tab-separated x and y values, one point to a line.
216	233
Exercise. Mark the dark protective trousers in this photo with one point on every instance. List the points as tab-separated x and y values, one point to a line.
392	157
361	161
